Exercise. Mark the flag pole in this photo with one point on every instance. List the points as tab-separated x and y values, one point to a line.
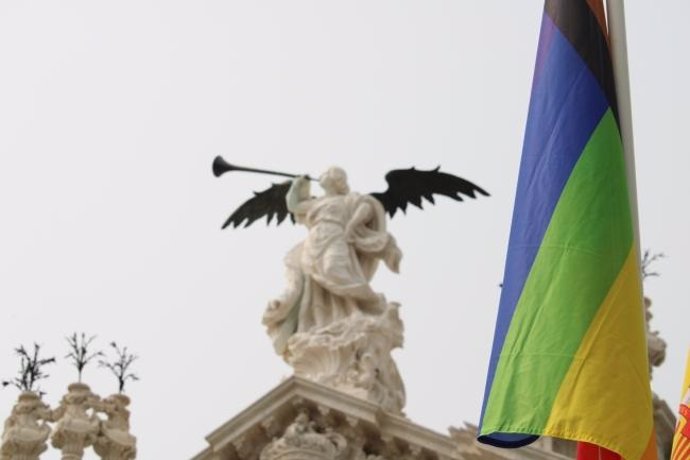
619	55
615	10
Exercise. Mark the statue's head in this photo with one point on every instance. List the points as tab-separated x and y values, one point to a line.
302	418
334	181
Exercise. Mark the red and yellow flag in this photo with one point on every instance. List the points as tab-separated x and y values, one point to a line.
681	440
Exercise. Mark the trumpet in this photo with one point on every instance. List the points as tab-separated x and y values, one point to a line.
220	167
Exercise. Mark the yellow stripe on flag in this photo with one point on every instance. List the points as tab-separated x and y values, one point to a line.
606	392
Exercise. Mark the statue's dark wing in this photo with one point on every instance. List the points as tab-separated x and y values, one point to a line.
411	185
270	203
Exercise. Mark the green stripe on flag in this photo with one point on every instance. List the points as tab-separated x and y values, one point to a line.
584	248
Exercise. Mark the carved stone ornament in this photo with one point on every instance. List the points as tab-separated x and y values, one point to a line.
302	441
114	441
24	438
77	426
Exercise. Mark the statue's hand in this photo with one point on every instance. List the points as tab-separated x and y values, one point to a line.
272	313
299	192
304	186
299	181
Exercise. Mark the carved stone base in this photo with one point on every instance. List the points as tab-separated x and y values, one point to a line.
111	451
302	442
353	355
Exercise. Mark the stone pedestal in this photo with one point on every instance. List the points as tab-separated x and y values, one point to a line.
353	355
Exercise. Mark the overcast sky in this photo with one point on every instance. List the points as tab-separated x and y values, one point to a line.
110	116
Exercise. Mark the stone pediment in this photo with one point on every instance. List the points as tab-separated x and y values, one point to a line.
301	420
370	433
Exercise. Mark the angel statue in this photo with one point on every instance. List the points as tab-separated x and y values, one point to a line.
329	323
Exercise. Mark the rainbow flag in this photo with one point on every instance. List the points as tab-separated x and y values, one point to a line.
681	439
569	358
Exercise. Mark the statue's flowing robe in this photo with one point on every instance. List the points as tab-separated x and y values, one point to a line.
328	274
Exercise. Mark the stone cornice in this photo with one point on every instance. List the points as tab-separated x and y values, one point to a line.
296	391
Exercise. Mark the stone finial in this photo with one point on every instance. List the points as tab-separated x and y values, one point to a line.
24	438
656	346
77	426
114	440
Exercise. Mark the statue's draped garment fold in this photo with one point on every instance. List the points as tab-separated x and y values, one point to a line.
328	274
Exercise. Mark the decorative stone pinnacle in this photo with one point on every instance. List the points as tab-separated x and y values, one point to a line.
24	438
77	426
